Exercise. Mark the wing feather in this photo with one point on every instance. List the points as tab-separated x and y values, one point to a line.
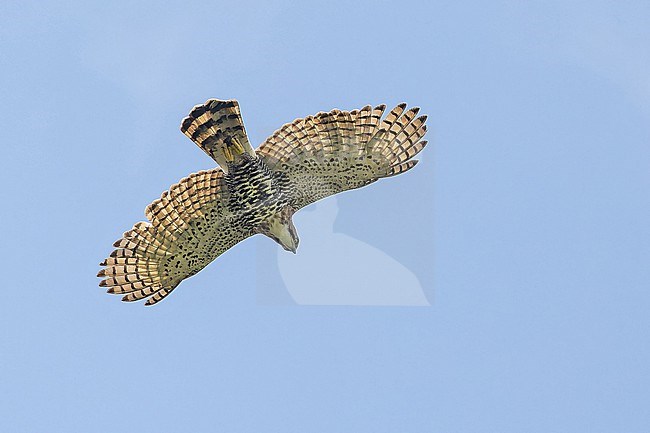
189	226
332	152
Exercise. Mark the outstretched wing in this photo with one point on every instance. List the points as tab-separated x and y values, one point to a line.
332	152
190	225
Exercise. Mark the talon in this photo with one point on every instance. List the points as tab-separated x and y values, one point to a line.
228	154
239	149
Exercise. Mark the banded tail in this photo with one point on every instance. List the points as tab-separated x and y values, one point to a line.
217	128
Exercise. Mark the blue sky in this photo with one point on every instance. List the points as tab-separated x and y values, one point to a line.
526	223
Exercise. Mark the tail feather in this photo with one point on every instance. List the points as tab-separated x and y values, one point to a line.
217	128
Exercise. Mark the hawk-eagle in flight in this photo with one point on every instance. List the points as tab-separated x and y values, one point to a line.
255	190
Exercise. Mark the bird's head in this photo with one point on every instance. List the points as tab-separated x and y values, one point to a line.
280	228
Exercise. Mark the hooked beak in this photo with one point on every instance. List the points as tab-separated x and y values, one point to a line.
282	230
290	244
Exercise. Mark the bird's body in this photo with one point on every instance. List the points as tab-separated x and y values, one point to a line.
255	191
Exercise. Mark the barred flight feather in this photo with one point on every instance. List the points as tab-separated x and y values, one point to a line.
315	152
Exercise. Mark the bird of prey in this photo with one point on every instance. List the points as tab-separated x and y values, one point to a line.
255	190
